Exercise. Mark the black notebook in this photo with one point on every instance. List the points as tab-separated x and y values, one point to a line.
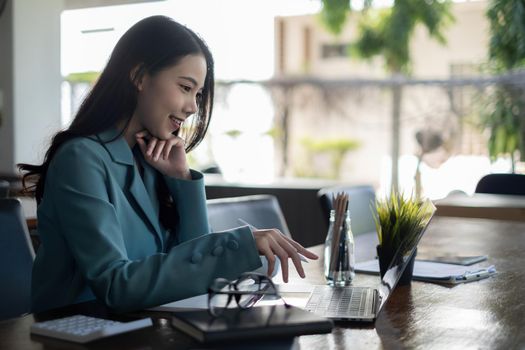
269	321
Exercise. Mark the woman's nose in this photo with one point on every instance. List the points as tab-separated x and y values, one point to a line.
191	106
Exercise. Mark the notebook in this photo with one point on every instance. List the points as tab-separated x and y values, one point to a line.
258	322
362	304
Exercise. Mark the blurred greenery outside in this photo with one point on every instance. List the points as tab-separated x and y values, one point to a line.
386	33
82	77
335	149
503	113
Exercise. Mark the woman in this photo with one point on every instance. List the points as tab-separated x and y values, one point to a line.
121	216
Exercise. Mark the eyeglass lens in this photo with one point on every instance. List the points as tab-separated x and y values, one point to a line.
217	301
247	283
224	290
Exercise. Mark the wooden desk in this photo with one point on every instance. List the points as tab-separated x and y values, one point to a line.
485	314
480	205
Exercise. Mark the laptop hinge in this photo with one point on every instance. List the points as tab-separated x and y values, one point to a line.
377	301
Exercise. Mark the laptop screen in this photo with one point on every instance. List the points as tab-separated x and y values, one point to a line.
398	265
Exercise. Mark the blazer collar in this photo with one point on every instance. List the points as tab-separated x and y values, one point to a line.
143	191
116	145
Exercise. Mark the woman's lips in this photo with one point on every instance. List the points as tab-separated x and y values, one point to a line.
177	123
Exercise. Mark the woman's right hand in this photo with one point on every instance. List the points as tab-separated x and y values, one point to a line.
272	242
167	156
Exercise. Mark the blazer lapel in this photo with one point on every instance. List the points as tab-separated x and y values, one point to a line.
149	180
121	153
143	199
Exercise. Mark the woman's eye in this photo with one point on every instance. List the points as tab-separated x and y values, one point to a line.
186	88
198	98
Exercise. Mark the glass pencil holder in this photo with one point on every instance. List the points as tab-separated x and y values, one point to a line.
339	258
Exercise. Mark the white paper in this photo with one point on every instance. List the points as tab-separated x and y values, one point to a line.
424	269
294	288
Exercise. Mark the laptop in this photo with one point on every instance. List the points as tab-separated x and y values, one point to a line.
362	304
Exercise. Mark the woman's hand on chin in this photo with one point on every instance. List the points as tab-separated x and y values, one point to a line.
167	156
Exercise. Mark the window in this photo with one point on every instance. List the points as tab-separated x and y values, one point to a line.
334	50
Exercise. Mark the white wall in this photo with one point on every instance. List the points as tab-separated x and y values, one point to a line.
29	80
37	78
467	43
6	83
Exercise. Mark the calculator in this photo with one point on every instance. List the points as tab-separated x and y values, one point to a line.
83	329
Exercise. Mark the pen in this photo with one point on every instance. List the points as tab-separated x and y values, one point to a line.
477	275
255	228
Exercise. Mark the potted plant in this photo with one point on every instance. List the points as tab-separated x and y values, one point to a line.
399	221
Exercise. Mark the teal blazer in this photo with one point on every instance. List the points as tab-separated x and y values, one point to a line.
101	236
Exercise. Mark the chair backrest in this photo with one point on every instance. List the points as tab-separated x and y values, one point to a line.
502	184
260	211
360	205
4	189
16	260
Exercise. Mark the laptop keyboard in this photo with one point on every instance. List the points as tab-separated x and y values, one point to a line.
341	302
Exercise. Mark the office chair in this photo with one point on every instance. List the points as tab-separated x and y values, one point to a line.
360	204
16	260
260	211
4	189
502	184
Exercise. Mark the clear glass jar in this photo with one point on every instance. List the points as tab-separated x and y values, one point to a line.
342	271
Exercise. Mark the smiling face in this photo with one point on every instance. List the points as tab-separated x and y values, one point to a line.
166	99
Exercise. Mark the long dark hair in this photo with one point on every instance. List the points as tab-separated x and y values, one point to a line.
148	47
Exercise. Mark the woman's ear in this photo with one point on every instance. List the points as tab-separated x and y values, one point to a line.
136	76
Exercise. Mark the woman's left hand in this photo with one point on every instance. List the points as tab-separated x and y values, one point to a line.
167	156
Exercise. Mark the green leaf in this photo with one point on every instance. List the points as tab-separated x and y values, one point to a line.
399	220
234	133
387	32
83	77
334	13
507	32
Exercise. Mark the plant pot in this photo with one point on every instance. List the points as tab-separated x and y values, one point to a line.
385	257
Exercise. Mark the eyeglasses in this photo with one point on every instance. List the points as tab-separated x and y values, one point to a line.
246	290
